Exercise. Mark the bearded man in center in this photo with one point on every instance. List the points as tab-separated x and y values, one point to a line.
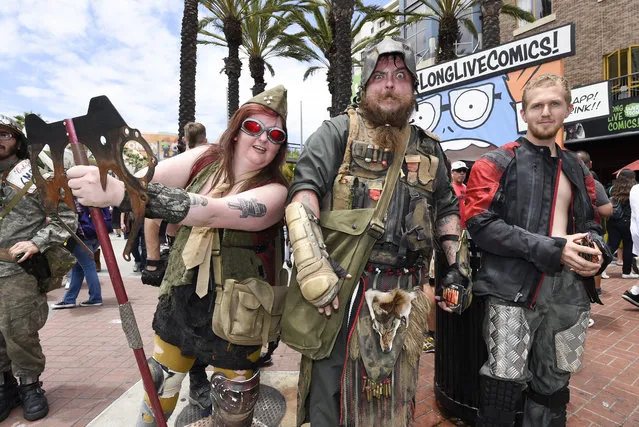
357	313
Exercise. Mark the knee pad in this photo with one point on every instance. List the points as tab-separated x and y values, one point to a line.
556	402
167	382
558	399
498	402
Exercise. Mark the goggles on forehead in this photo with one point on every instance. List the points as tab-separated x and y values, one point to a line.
254	127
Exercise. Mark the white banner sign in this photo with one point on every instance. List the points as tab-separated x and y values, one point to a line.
590	102
544	47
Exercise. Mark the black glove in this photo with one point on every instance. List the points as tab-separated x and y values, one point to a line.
456	289
154	277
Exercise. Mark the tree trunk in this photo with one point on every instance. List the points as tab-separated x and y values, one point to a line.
340	72
256	67
188	62
448	36
490	10
233	65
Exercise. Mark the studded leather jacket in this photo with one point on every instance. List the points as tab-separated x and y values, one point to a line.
510	200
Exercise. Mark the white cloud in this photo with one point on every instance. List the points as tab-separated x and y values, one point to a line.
59	54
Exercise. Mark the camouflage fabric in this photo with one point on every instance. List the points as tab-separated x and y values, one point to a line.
28	220
170	204
23	312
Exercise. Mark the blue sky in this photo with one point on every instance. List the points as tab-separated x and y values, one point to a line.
58	54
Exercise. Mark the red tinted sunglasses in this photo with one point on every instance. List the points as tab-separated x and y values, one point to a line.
254	127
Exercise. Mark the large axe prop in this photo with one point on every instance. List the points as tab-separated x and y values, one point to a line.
104	133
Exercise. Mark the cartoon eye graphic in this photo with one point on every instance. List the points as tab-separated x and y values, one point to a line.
471	106
428	113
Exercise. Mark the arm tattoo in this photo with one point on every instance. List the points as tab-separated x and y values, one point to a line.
248	207
197	200
449	224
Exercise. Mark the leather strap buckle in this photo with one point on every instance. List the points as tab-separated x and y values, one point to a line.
375	230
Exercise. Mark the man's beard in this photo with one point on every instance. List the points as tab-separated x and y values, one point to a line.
397	117
387	122
544	134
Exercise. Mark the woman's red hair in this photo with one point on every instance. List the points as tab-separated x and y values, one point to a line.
225	149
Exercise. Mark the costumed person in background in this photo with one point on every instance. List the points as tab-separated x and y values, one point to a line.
376	320
85	267
531	210
155	266
26	231
225	254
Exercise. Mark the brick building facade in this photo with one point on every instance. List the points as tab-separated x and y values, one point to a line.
601	27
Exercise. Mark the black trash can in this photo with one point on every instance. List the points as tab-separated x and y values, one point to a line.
459	353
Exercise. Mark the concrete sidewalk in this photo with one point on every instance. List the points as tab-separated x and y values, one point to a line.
91	376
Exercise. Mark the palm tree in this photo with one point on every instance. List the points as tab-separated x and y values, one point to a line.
322	30
188	62
449	14
264	37
490	11
227	17
340	17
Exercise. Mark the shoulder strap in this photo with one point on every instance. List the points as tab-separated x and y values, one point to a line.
353	130
217	260
376	227
14	201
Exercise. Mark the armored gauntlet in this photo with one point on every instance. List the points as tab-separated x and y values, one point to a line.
315	275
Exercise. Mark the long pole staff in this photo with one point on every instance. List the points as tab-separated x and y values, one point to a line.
129	325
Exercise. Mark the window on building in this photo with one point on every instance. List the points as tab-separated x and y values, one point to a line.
468	43
419	33
416	37
621	67
539	8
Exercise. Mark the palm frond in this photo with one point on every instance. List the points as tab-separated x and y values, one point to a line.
310	71
515	12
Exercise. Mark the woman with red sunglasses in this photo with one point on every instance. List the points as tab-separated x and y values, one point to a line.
229	197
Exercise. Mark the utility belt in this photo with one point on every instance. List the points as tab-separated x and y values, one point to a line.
385	278
390	255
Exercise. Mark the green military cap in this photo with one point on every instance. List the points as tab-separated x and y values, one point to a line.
274	98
